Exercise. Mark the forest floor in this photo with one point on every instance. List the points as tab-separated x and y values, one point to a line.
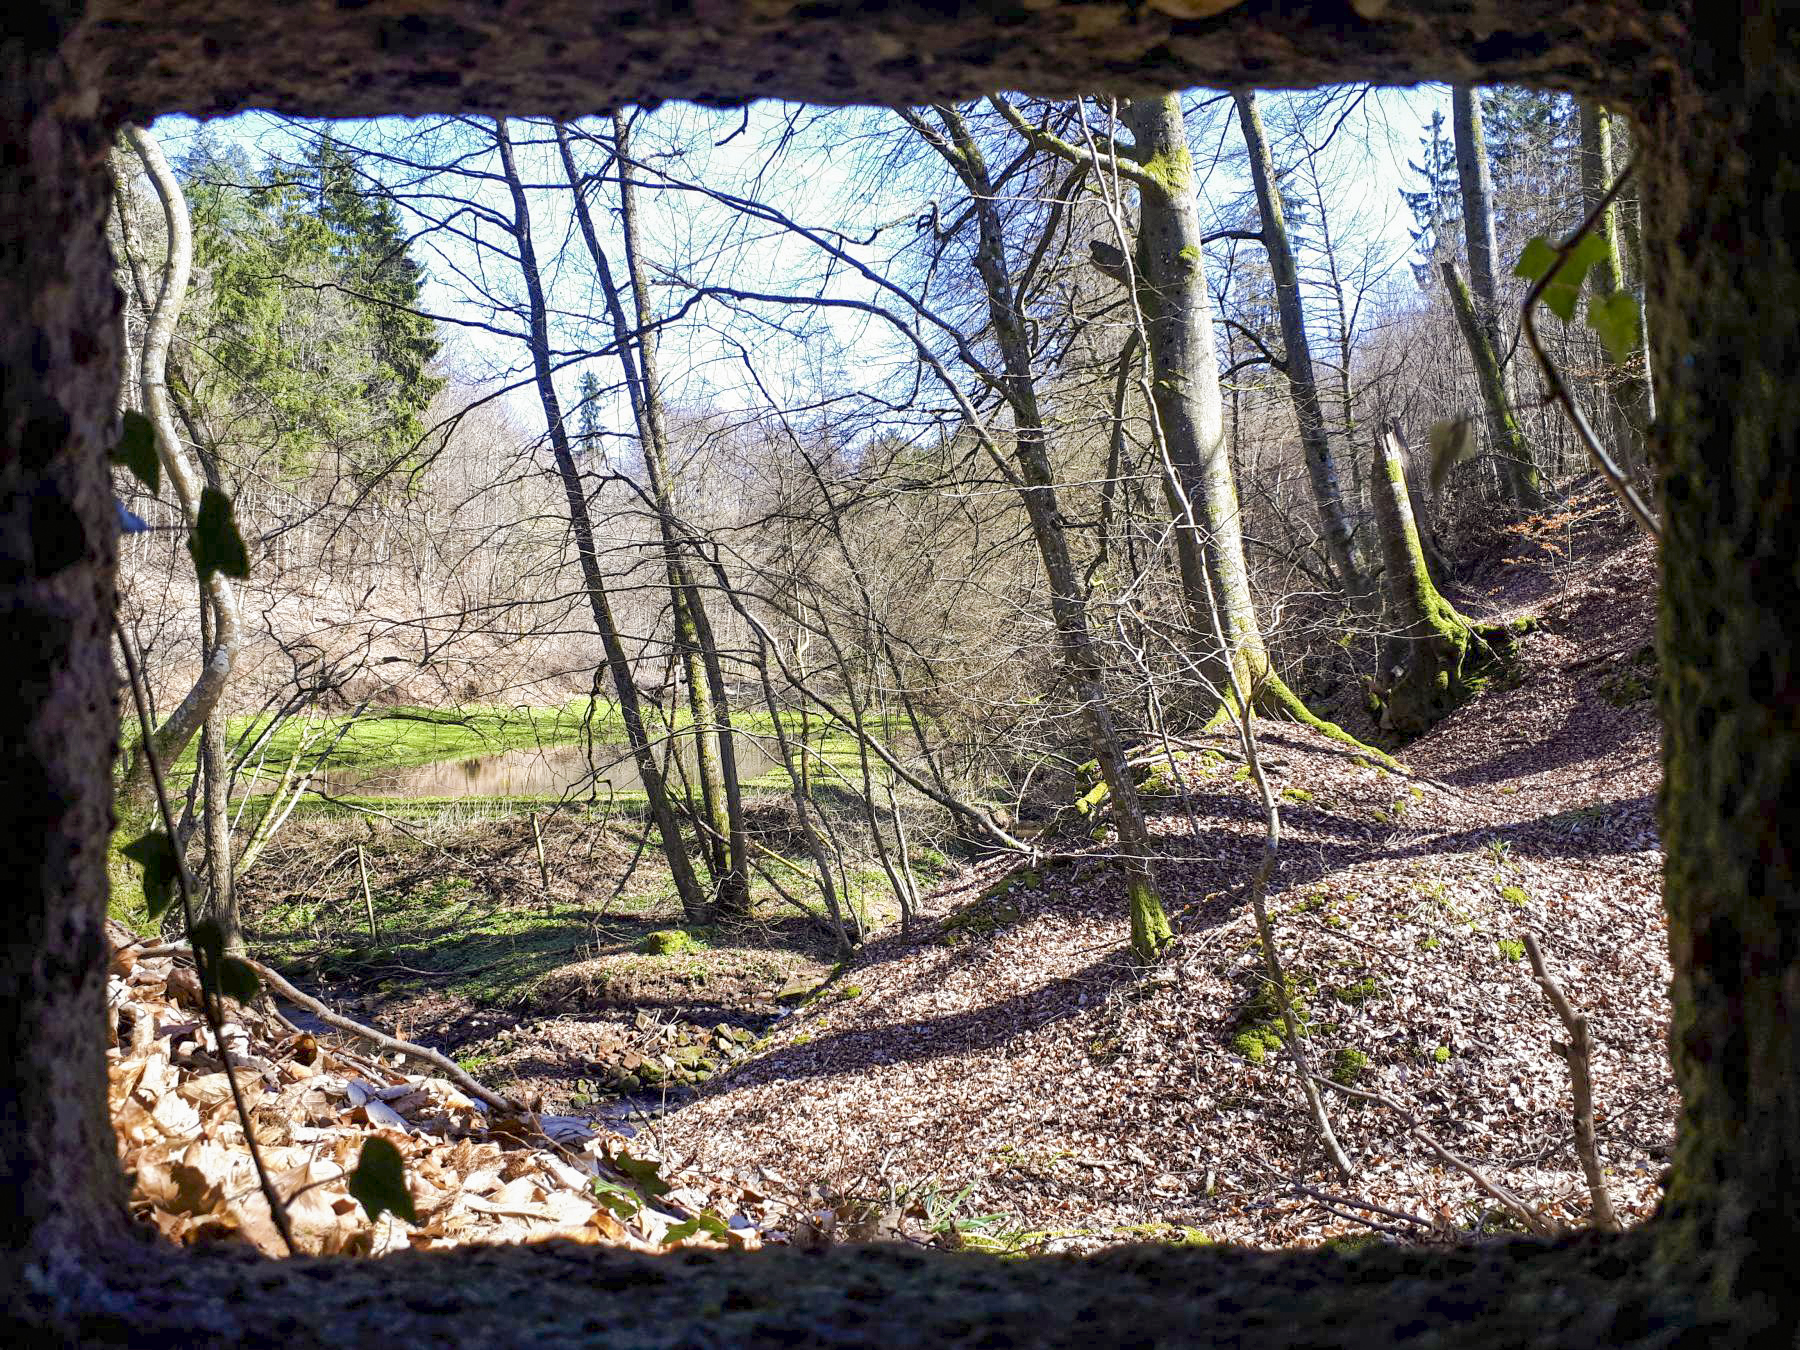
1004	1076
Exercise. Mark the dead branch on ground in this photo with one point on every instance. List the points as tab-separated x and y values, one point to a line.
1577	1055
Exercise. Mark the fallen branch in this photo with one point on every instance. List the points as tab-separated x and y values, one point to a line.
380	1040
1576	1054
1343	1206
1526	1214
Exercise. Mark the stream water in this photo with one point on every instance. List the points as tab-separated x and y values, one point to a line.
534	771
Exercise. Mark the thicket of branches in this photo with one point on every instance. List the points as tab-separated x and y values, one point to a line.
1009	438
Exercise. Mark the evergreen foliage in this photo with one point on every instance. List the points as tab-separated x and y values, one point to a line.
1436	204
588	433
310	350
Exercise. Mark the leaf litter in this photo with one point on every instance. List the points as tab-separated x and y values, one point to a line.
319	1109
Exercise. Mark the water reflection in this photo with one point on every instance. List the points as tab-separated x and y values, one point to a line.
547	771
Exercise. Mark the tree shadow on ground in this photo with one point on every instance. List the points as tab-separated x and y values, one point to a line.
972	1030
1592	730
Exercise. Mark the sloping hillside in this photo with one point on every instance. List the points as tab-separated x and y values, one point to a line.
1006	1061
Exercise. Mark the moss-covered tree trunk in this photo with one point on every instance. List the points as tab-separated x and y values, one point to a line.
60	342
1479	316
1184	375
1428	650
1722	193
1178	321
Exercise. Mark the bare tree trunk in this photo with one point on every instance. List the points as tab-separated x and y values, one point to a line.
1084	665
724	843
1519	469
804	806
215	811
693	899
1315	443
706	702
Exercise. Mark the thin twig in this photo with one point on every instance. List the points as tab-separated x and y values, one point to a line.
1526	1214
392	1045
1340	1203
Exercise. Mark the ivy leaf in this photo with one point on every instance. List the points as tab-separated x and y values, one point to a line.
1536	260
379	1182
155	853
642	1171
1452	441
624	1204
1563	292
1615	318
704	1222
136	451
215	544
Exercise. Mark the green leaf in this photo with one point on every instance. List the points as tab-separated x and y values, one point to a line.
623	1203
1536	260
1564	289
215	543
238	979
1615	318
1452	441
704	1222
642	1171
136	451
379	1182
155	853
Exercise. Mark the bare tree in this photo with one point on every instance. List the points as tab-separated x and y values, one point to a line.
1033	476
1480	317
693	900
1321	463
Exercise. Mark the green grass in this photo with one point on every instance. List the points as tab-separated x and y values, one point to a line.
490	953
406	737
399	738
